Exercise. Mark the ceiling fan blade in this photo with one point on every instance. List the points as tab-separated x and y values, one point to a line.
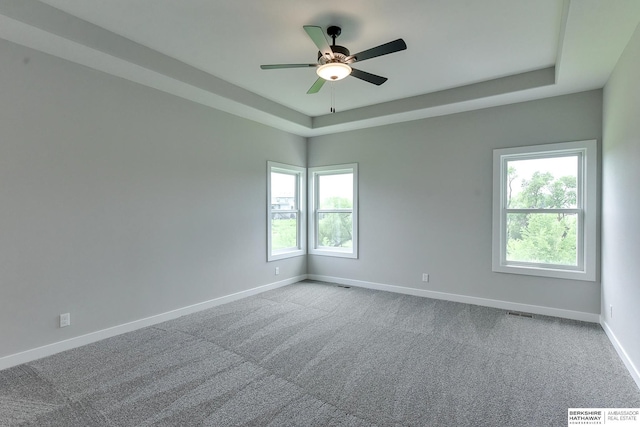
368	77
383	49
315	88
279	66
317	35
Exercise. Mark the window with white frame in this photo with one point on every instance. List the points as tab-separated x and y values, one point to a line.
286	202
544	210
333	222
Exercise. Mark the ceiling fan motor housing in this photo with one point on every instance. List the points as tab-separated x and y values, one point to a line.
340	53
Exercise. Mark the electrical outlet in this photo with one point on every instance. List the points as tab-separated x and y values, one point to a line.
611	311
277	270
425	277
65	320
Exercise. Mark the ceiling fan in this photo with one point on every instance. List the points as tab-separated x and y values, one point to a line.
334	62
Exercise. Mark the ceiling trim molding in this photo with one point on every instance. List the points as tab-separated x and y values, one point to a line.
434	100
44	28
566	4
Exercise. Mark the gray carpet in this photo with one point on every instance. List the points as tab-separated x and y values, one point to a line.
314	354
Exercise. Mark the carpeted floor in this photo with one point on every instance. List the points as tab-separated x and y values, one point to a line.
314	354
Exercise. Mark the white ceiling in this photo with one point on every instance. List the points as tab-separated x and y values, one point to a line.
461	55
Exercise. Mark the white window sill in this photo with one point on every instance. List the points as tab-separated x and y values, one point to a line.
588	275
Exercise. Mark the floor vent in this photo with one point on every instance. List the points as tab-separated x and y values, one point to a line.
344	286
520	314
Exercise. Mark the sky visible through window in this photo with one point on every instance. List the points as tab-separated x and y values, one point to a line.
335	186
340	185
557	166
283	185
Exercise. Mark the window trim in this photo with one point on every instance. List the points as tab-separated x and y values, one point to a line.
586	210
314	249
301	197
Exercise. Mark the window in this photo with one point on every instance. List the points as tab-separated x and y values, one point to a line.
544	210
286	198
333	224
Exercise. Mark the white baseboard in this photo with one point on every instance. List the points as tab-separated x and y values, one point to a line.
633	370
47	350
57	347
506	305
546	311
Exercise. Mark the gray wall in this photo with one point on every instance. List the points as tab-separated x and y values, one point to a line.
621	202
118	202
426	192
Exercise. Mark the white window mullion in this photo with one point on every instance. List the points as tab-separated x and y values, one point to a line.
332	188
290	186
525	215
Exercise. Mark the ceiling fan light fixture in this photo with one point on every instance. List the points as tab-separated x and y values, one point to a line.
333	71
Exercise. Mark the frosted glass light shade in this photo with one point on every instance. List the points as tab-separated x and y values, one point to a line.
333	71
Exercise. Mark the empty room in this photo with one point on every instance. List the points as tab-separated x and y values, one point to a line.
302	213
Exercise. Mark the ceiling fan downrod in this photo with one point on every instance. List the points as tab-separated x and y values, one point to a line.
333	32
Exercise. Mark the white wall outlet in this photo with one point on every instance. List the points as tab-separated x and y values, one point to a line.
425	277
65	319
610	311
277	270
